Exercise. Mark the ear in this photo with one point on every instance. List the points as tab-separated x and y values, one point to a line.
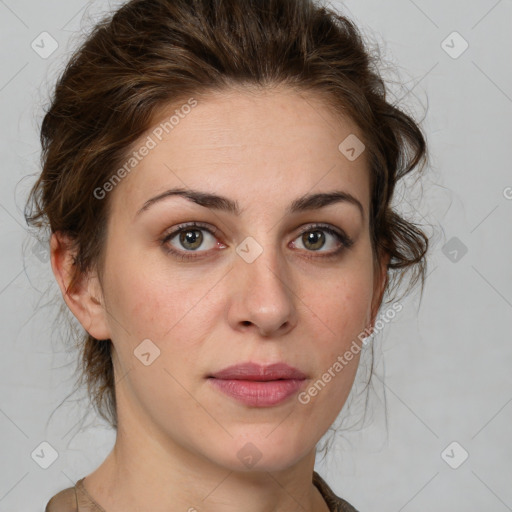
85	297
380	284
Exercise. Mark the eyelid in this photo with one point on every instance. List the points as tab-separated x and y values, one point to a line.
189	225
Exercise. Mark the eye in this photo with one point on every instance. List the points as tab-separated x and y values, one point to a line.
189	238
314	238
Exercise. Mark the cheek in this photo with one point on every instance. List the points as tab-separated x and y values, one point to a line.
343	304
170	308
340	314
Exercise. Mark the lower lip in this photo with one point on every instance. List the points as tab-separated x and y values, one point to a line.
258	393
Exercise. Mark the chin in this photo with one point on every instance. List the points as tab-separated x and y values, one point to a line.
274	452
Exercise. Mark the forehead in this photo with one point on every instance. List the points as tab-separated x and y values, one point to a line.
250	145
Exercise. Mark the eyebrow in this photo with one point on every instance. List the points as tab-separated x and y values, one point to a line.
217	202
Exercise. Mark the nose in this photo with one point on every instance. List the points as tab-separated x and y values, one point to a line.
262	295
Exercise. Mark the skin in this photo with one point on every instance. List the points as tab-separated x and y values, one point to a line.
178	436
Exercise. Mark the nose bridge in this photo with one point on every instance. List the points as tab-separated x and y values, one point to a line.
263	284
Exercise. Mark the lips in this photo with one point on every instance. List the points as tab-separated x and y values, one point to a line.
254	371
258	386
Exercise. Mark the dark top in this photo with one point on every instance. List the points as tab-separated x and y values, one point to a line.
77	499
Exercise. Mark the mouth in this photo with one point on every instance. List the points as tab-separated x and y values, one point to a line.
257	385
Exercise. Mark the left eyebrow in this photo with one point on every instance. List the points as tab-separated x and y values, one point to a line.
304	203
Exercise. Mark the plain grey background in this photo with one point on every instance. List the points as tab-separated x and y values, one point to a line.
443	363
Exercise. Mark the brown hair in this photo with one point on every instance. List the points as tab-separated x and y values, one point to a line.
153	53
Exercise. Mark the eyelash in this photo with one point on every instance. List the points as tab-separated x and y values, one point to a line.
346	241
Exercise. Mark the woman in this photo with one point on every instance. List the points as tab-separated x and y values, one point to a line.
217	181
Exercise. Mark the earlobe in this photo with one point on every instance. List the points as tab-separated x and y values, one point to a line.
82	295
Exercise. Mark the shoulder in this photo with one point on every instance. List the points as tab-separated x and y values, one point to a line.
64	501
335	503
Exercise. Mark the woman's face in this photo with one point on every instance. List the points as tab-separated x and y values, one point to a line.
264	285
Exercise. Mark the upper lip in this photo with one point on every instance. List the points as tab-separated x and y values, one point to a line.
255	371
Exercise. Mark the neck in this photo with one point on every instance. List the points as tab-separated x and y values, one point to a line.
145	471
